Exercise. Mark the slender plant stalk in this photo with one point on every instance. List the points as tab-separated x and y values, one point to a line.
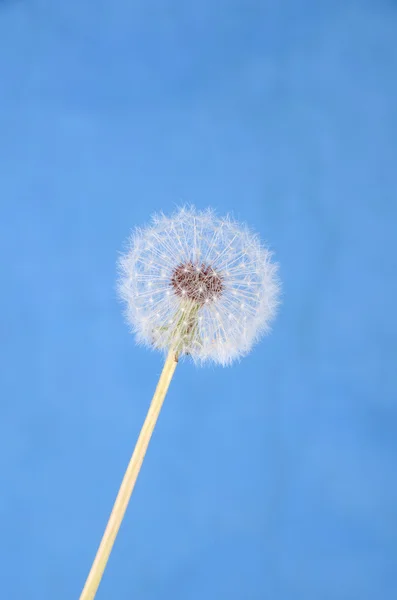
128	483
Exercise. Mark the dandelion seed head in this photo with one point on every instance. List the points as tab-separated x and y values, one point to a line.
201	284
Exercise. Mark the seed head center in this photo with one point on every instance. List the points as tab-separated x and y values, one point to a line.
197	282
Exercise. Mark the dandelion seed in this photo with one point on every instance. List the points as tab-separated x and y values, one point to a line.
234	272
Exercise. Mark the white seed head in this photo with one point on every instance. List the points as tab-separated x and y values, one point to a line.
200	284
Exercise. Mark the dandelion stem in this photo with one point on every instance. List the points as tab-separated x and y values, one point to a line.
128	483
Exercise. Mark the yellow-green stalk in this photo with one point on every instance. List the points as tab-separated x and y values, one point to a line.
129	480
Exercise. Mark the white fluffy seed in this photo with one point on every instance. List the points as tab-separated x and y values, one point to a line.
249	284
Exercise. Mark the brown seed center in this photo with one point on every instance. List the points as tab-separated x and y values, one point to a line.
197	282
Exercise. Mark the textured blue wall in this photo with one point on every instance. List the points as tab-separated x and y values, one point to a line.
275	478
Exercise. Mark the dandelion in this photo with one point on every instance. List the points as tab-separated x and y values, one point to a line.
203	285
193	285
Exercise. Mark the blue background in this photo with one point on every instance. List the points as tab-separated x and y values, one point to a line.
275	478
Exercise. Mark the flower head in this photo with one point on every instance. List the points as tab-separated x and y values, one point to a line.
200	284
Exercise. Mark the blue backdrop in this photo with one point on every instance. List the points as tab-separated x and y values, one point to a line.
275	478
